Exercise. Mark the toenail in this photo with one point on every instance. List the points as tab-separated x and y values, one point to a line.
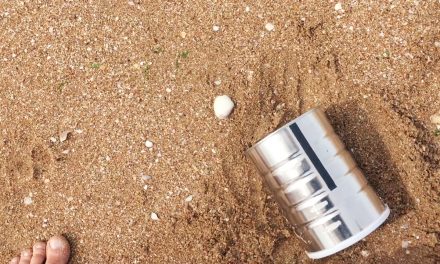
56	244
26	253
40	245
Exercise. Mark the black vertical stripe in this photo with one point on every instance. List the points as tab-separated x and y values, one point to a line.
312	156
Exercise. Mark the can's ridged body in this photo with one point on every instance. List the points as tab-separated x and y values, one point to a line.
318	185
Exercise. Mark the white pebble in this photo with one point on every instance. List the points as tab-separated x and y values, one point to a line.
223	106
365	253
27	200
53	139
148	144
216	28
145	177
168	90
269	27
154	217
338	7
64	135
247	9
217	82
145	187
437	44
189	199
435	119
405	243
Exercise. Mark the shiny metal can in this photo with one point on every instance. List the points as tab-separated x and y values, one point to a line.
318	185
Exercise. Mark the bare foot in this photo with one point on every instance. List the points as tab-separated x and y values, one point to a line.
57	251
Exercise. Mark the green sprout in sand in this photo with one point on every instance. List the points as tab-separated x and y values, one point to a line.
96	65
146	71
61	86
184	54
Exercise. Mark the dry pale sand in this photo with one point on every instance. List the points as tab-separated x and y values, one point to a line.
118	73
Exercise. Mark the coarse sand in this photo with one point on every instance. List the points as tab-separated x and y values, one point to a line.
108	76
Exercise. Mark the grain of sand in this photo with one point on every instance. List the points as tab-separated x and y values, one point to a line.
116	74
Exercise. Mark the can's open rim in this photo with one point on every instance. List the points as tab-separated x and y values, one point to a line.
312	110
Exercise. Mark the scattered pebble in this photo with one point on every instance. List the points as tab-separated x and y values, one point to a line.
53	139
145	177
168	90
247	9
338	7
145	187
217	82
404	226
27	200
154	217
64	135
269	27
216	28
65	152
365	253
435	119
148	144
437	44
405	243
249	75
189	198
78	131
45	223
70	199
223	106
183	34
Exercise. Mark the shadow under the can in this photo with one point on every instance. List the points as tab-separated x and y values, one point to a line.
354	127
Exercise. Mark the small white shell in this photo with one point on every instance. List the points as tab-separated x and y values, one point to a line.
64	135
269	27
189	198
27	200
435	119
145	177
148	144
154	217
223	106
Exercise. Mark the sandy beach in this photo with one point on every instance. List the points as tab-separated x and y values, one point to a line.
85	84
